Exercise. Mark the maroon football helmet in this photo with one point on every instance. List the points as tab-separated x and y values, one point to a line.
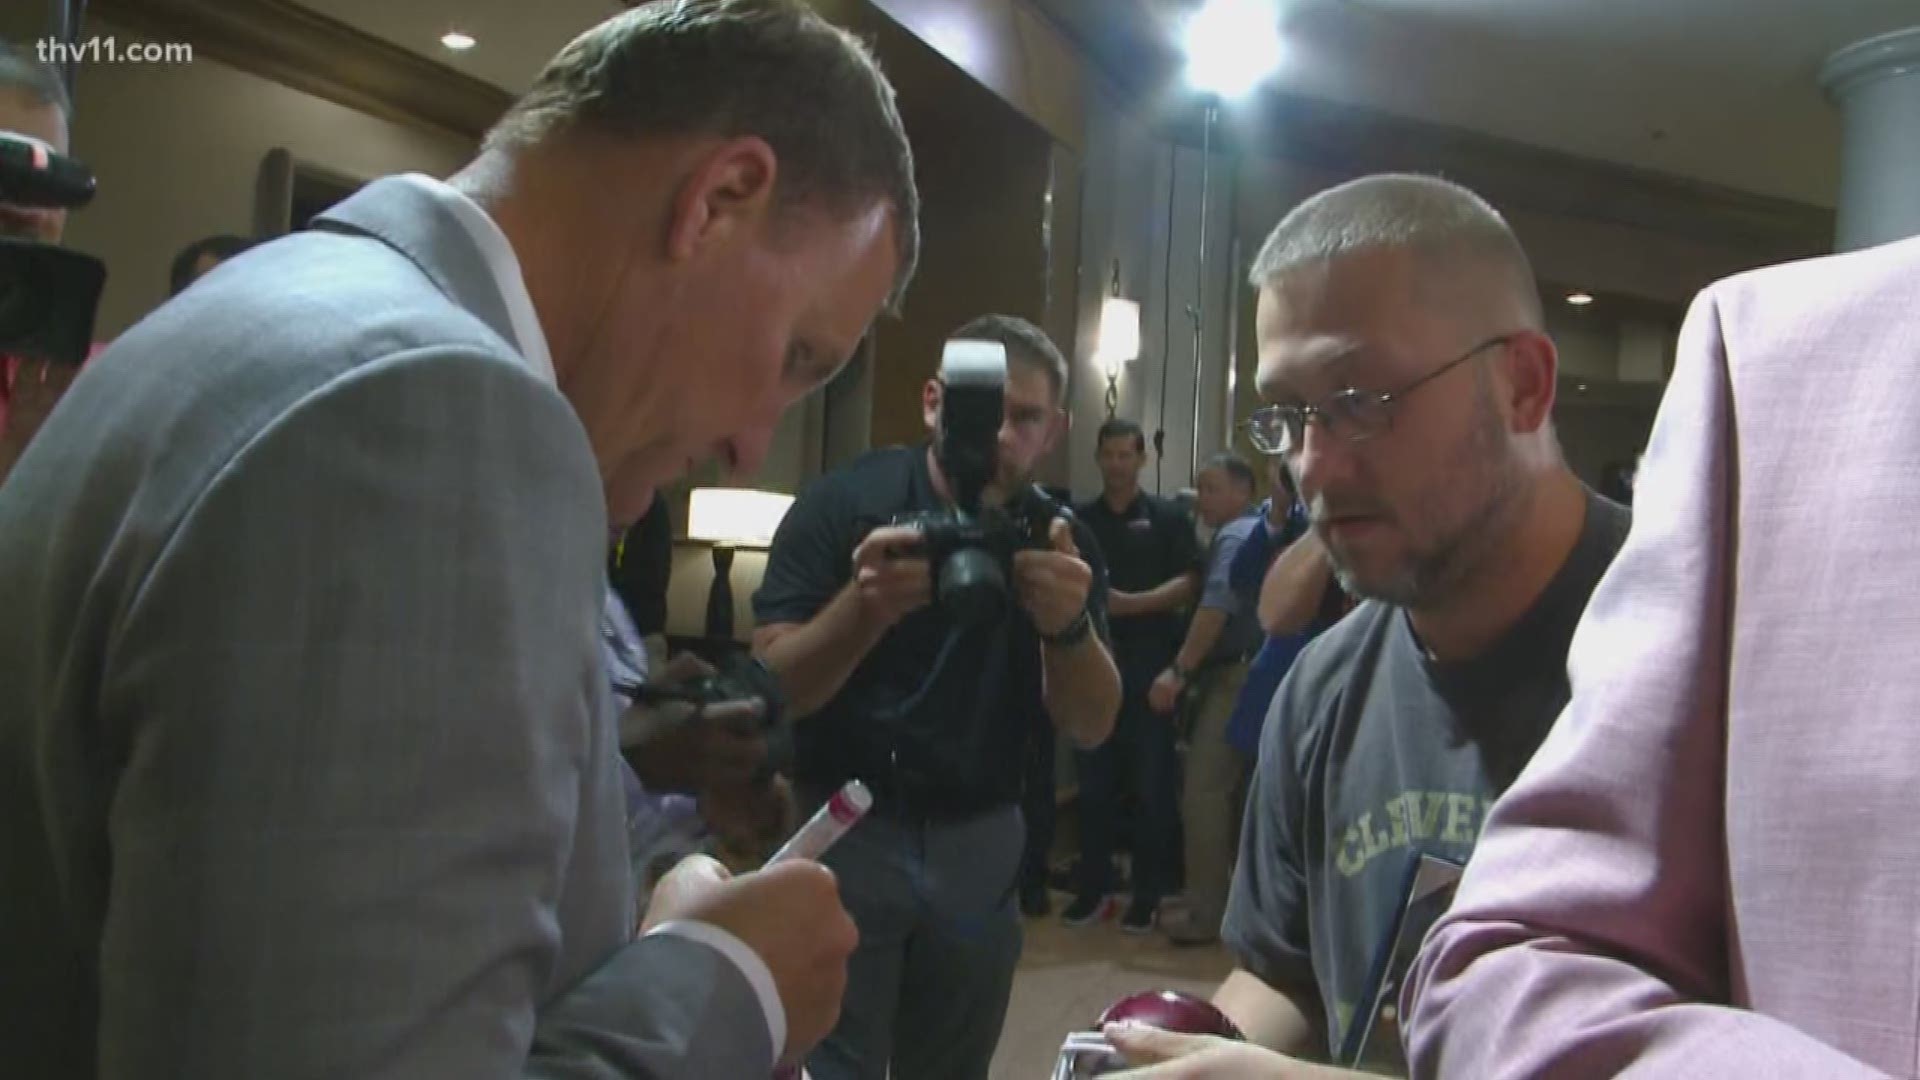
1087	1053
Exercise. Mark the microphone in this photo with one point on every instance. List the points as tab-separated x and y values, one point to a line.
33	175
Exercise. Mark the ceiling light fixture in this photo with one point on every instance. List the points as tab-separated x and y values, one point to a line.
1579	299
1231	45
457	41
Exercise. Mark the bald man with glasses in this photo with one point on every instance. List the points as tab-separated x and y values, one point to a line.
1411	386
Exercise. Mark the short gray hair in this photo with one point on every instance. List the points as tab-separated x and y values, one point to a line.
1425	214
766	68
22	73
1025	343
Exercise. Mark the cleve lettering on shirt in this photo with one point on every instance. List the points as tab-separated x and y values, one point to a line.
1406	820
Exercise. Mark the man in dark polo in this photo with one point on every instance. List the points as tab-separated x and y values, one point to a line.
1152	564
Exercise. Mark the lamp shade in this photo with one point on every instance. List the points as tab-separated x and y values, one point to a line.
738	516
1119	333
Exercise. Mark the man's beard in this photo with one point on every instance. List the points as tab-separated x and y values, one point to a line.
1464	522
1006	480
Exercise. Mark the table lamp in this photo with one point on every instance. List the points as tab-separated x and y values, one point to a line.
729	519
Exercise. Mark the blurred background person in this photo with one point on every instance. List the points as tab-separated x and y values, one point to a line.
1205	677
201	256
1151	557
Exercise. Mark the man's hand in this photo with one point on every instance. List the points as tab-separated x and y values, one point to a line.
1163	696
1169	1055
1277	512
1053	585
749	820
790	916
687	748
891	574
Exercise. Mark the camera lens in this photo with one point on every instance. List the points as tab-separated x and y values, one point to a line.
972	588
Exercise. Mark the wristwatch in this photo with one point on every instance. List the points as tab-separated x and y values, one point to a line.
1073	633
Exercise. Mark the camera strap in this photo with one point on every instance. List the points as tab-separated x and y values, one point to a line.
905	708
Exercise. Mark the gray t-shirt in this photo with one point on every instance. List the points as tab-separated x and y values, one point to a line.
1374	754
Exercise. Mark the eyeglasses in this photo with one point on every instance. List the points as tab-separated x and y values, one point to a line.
1357	415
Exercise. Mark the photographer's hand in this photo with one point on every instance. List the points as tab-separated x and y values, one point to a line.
1053	585
813	659
1080	683
893	579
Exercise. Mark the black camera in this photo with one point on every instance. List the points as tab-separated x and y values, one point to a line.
737	677
47	294
970	547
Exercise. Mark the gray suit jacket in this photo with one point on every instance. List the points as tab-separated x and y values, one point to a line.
305	768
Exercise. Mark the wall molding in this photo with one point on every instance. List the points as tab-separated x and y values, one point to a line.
302	49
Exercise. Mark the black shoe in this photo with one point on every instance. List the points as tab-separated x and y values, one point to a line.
1140	917
1086	908
1035	901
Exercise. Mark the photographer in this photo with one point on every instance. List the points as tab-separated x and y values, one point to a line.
32	104
932	715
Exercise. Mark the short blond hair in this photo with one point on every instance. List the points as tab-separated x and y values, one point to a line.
1425	214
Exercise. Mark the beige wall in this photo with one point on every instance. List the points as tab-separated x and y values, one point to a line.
177	150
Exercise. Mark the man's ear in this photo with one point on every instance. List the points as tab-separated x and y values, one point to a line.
1059	428
1533	368
731	187
930	403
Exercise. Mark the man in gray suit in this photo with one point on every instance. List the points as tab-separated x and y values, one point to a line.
307	769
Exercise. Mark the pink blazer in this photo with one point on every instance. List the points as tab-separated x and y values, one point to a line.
1712	867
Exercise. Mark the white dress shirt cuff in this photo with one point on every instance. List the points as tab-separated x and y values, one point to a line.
754	969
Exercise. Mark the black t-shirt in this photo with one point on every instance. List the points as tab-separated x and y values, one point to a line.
935	717
640	565
1146	545
1372	755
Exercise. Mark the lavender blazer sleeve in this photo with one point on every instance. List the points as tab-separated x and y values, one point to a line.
1700	872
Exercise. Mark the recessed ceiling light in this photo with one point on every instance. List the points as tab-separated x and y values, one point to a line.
457	41
1583	388
1232	45
1579	299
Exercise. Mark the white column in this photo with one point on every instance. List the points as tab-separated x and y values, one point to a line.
1876	84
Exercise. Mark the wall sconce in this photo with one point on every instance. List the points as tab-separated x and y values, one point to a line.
1119	338
731	518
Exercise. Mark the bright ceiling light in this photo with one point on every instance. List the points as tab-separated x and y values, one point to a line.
1231	45
1579	299
457	41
